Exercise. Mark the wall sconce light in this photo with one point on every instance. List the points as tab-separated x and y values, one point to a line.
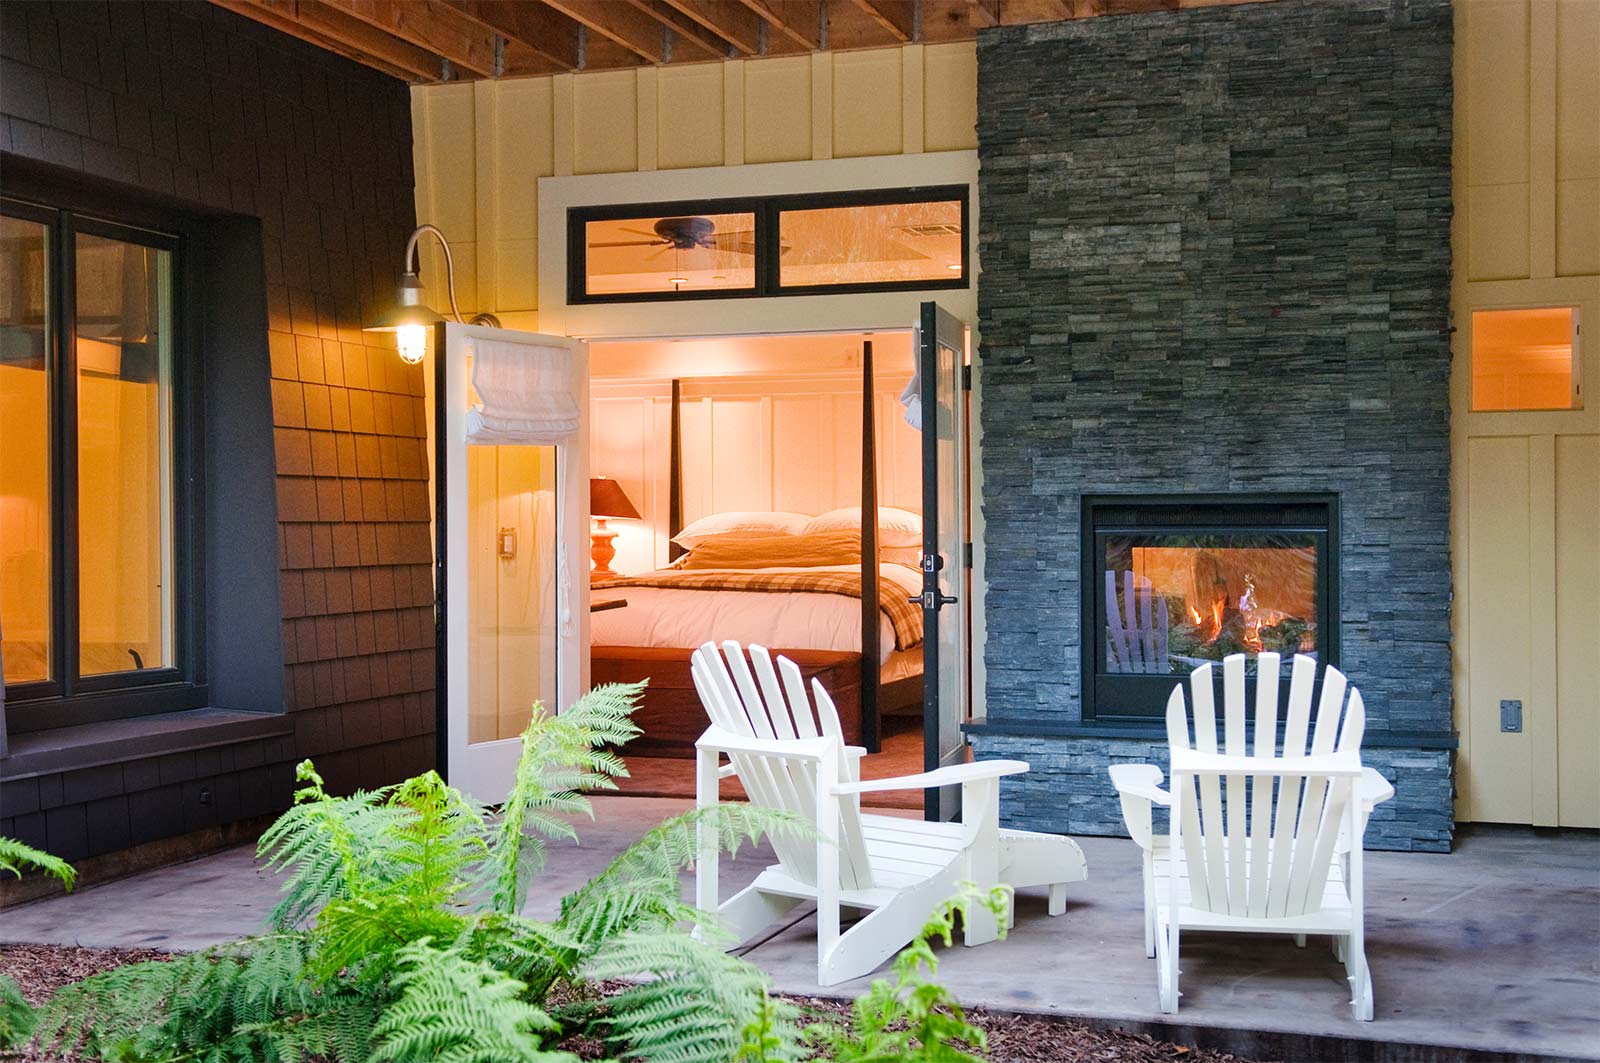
411	318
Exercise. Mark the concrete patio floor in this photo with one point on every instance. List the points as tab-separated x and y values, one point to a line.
1494	949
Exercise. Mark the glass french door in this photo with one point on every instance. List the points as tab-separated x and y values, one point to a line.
514	601
941	345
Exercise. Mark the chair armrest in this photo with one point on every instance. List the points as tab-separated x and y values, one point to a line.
855	753
1373	789
725	741
1140	780
950	776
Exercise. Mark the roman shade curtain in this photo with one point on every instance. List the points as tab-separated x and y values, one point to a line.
524	395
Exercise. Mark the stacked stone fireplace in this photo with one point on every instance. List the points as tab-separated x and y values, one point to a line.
1216	262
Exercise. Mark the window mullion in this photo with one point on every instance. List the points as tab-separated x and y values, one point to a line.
66	463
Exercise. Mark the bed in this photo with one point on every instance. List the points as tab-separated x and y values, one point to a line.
816	610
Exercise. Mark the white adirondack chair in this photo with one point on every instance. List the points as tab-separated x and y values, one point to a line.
789	757
1258	841
1136	634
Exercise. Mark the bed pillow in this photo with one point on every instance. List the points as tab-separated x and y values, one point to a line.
897	528
723	523
756	550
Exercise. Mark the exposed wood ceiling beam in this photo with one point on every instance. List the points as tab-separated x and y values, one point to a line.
798	20
620	22
731	21
547	33
325	27
688	38
897	17
457	38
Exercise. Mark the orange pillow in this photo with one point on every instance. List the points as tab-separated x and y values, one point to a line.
746	550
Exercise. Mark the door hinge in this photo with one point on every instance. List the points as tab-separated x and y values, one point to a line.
966	555
966	378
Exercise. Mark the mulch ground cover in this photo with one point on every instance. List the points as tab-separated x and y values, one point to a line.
42	969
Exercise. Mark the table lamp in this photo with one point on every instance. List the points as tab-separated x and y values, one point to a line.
606	501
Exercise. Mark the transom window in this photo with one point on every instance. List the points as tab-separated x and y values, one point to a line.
91	576
869	240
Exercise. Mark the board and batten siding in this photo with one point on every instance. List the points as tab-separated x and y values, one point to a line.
1526	486
480	147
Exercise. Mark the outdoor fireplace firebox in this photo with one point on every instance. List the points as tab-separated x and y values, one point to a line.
1174	582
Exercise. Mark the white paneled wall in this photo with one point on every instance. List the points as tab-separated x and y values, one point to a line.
768	443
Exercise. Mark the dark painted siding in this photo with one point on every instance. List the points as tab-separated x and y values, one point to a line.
187	101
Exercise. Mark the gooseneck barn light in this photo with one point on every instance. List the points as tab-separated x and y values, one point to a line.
411	318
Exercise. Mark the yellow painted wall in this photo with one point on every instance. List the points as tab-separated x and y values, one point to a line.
1525	524
480	147
1526	486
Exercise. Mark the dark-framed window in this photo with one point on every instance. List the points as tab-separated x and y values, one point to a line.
99	481
867	240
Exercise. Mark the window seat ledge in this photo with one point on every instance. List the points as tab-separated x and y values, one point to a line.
35	753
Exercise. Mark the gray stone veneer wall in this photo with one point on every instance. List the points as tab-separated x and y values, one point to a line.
1216	258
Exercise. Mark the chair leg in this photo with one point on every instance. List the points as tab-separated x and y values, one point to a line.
1058	898
1149	906
1167	967
1341	945
1299	941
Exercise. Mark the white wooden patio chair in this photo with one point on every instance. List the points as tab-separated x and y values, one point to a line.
1258	841
789	757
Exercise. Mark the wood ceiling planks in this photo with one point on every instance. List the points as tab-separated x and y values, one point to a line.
426	41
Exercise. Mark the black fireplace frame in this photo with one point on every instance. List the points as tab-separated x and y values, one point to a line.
1126	698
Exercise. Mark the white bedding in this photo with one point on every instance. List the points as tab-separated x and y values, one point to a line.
660	616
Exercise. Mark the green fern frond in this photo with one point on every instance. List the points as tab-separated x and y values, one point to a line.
773	1034
325	845
426	854
563	756
693	1007
364	934
230	1003
17	1018
655	859
16	858
453	1009
914	1018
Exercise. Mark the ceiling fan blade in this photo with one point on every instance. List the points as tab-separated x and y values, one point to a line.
657	254
641	232
633	243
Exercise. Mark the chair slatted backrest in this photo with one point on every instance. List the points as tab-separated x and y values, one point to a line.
760	698
1260	843
1136	630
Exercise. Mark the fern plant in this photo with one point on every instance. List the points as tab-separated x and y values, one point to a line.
910	1018
16	1017
398	936
16	858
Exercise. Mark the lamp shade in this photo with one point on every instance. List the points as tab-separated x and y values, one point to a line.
607	500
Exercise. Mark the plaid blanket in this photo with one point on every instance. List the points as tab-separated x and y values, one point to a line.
904	617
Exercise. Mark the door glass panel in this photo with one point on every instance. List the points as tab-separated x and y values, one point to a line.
125	511
24	452
511	587
670	254
952	548
884	243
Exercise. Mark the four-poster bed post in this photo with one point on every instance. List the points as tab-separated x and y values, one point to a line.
870	674
871	677
675	477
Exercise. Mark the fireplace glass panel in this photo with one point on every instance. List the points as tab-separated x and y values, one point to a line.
1175	602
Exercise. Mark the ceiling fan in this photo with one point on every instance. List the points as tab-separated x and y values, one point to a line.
686	234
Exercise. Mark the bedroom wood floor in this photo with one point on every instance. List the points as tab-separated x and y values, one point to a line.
901	755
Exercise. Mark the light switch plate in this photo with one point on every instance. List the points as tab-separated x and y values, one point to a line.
1511	716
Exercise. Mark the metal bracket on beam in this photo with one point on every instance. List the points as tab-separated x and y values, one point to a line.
447	72
583	46
499	56
916	21
666	45
822	25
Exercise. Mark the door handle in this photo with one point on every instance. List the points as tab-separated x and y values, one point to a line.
932	600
